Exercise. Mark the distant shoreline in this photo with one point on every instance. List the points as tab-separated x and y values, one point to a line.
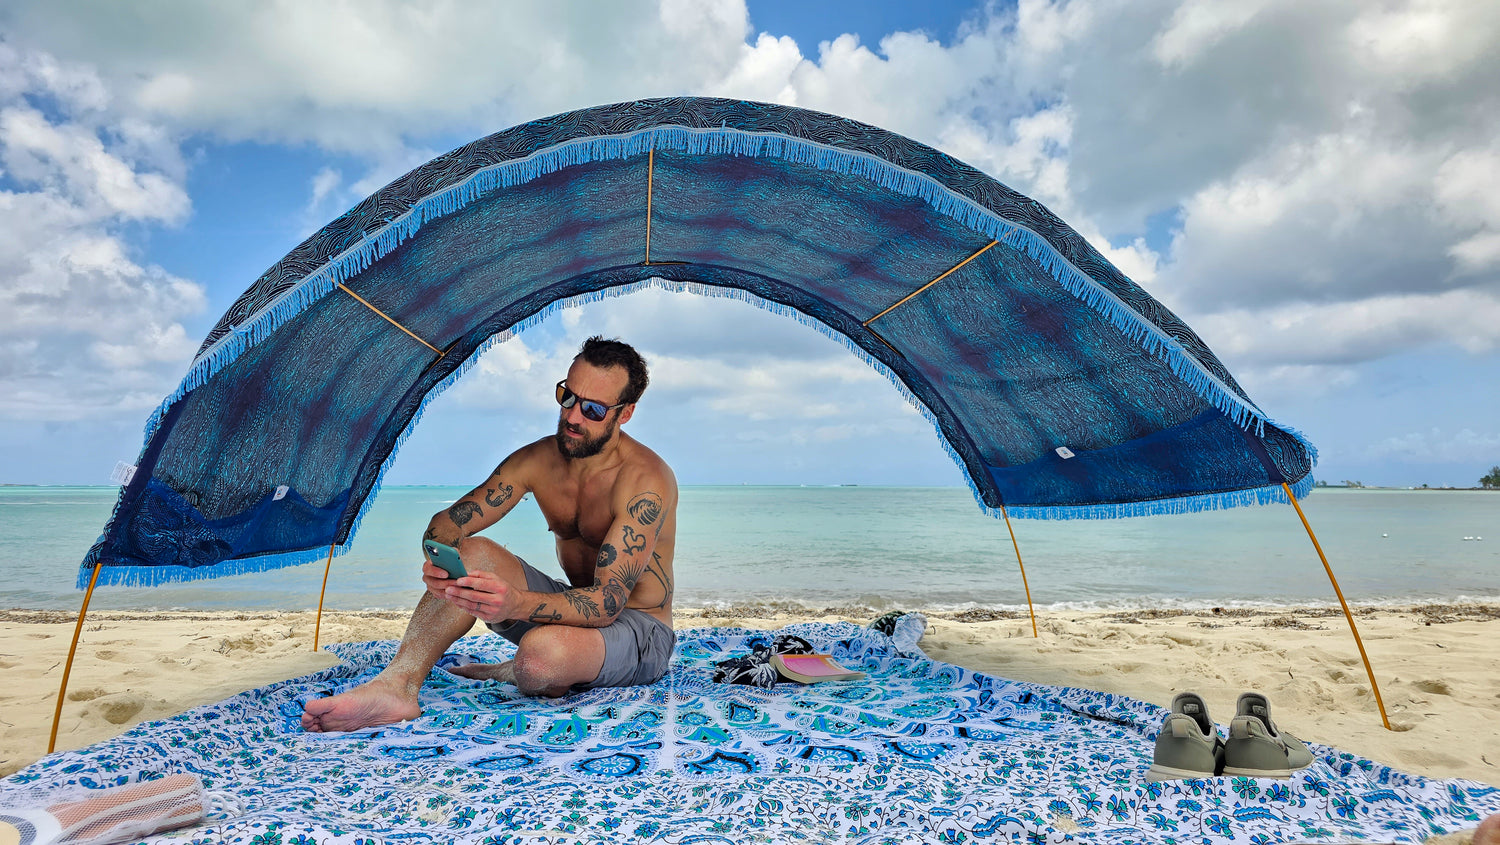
1409	489
1434	611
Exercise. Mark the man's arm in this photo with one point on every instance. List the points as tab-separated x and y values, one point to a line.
484	505
623	556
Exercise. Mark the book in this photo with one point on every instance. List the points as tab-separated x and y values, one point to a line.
812	668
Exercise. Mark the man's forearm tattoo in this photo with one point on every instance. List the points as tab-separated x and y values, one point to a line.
541	614
431	533
645	508
496	498
634	541
581	603
462	512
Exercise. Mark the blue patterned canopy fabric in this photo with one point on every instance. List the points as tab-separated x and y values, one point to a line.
1060	387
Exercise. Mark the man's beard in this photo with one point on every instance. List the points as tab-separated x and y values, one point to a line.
584	448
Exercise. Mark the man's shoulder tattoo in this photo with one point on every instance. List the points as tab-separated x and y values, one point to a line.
646	508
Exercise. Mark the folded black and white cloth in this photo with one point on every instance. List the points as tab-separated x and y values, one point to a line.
755	669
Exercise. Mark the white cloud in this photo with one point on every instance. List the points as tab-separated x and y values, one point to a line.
763	71
70	159
1416	43
271	72
1196	26
1466	197
323	183
75	87
1348	333
1437	445
88	329
785	372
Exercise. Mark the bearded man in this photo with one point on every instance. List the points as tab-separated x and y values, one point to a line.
611	504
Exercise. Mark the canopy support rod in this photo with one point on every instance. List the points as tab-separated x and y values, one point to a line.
950	272
650	178
650	182
72	650
1340	593
362	301
318	625
1024	585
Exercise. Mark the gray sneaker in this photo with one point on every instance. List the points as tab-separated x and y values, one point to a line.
1256	748
1188	745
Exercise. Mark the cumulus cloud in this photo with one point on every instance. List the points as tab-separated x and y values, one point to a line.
1344	175
271	72
89	330
1465	190
1437	445
1348	333
767	369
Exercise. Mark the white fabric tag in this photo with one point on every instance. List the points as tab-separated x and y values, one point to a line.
1064	452
123	473
280	493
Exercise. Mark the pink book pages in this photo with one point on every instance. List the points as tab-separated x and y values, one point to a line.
812	664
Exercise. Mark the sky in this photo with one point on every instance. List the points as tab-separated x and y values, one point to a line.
1313	187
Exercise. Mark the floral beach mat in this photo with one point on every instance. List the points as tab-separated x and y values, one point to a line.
916	751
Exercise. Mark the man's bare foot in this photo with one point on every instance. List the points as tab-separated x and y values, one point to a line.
505	672
1489	831
383	701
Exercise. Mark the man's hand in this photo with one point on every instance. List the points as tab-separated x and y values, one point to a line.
437	579
483	595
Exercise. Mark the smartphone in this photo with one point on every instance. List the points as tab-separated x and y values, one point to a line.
445	558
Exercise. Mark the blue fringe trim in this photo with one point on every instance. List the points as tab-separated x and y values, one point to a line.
123	575
1268	495
725	141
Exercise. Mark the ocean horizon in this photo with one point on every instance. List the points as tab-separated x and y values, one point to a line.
867	546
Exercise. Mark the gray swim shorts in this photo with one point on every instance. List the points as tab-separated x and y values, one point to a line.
637	646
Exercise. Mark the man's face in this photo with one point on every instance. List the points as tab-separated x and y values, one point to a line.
577	435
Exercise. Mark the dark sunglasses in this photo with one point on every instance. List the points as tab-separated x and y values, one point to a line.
592	410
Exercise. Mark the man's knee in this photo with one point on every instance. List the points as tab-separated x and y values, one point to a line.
488	555
552	658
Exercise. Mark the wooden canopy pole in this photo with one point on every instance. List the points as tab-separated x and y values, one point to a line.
1024	585
950	271
72	650
1344	604
366	303
318	626
650	176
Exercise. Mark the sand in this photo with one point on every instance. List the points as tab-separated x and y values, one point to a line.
1438	667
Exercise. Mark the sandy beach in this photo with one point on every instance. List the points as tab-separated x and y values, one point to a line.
1438	667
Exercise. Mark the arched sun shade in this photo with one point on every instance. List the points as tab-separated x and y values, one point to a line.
1059	386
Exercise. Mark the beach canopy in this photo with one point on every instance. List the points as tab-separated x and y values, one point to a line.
1059	386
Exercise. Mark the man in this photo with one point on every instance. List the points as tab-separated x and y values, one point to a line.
612	504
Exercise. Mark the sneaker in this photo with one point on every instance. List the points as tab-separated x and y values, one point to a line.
1188	745
1256	748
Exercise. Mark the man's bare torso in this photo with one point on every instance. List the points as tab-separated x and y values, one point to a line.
579	513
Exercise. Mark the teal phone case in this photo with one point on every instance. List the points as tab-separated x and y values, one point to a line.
445	558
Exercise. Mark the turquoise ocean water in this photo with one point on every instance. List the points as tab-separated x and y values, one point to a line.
883	547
